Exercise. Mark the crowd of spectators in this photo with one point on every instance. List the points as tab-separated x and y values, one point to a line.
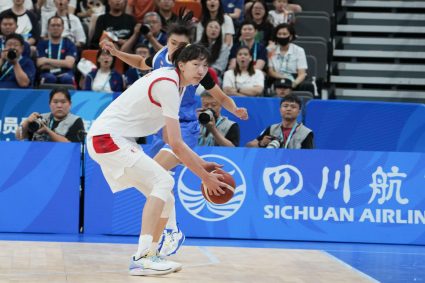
251	43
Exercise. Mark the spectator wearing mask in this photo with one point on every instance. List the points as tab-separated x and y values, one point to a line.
215	129
288	133
56	55
16	71
59	125
104	78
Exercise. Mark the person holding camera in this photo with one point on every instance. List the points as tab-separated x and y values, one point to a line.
216	130
149	33
58	126
16	71
289	133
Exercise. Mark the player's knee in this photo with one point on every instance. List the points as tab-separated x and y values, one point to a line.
162	189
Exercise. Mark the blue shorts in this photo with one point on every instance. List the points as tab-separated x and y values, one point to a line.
190	135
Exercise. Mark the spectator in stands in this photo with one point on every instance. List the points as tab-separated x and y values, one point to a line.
288	133
104	78
234	9
215	129
133	74
294	7
89	11
48	6
165	12
287	60
258	13
118	24
73	29
282	87
16	71
59	125
244	80
211	38
138	8
56	56
247	38
281	13
150	33
9	25
212	9
5	5
28	25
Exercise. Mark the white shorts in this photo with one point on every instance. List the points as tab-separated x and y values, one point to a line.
117	155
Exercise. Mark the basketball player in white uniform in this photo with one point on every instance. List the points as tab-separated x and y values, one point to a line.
150	103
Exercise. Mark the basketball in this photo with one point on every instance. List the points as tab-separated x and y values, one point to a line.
229	190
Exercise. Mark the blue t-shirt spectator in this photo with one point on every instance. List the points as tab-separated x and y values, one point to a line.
7	75
113	82
27	49
258	51
67	49
132	75
161	37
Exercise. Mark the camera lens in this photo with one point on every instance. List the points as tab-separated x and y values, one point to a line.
145	29
34	126
11	54
204	118
274	144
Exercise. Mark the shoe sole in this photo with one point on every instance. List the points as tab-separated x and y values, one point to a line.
149	272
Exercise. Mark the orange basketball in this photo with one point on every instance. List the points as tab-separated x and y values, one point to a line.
229	190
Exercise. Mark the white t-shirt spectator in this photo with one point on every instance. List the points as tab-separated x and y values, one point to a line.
289	64
49	6
243	80
73	29
277	18
226	28
7	4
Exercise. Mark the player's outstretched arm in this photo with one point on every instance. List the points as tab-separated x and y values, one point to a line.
227	102
190	158
133	60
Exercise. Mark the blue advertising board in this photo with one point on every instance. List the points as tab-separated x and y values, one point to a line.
314	195
39	187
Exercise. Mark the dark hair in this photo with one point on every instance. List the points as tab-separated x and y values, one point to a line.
289	27
215	48
188	52
291	98
251	70
55	17
16	36
60	90
99	52
247	22
141	45
205	17
179	29
266	10
8	14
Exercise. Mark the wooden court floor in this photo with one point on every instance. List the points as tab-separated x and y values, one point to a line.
90	262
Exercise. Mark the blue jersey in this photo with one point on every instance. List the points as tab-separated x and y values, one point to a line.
188	105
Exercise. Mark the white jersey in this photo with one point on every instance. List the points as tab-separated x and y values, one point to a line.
139	111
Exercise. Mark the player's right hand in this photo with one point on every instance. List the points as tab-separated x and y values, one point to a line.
213	184
108	46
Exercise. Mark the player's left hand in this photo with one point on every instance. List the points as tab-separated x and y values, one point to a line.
241	113
211	166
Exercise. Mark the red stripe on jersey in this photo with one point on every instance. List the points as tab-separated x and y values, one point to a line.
104	144
150	89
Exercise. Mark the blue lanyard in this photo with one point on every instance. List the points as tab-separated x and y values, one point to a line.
290	135
7	71
59	50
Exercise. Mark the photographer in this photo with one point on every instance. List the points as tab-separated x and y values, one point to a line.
16	71
289	133
59	125
215	130
149	33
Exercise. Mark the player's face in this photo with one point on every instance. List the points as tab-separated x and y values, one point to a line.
193	71
59	105
175	40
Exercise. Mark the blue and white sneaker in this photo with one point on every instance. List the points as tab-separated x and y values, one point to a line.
152	265
170	242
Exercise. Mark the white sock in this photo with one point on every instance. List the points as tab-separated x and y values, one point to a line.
145	243
153	249
172	222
